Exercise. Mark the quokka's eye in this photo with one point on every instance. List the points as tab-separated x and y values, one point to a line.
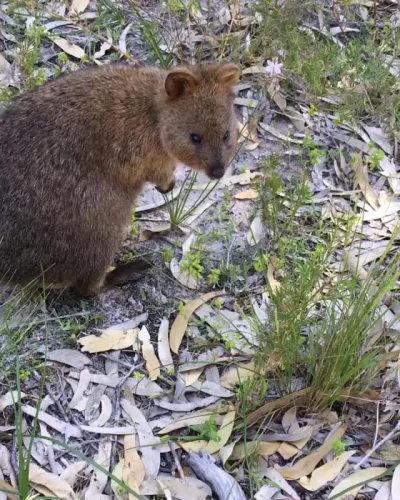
195	138
226	136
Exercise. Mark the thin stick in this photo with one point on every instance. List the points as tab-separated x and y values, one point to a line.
176	460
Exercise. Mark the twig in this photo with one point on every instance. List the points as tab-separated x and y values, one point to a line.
377	446
176	460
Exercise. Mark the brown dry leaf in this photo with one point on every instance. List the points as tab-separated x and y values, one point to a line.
396	484
192	376
212	447
99	479
306	465
249	194
10	398
238	374
78	6
133	471
69	48
274	405
262	448
361	478
241	179
69	357
164	352
158	228
109	340
179	326
152	363
287	451
49	484
12	493
326	473
361	177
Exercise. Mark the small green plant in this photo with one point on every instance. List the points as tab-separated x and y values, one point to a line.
214	277
178	210
339	447
135	226
375	159
167	254
192	263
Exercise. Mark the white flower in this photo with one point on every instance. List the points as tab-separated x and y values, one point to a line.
274	67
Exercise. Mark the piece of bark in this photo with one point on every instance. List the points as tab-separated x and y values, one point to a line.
222	484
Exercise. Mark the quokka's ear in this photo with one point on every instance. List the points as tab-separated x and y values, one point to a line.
180	81
227	75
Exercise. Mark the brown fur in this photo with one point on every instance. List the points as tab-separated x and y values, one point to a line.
75	152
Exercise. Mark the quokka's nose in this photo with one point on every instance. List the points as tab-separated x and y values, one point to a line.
217	171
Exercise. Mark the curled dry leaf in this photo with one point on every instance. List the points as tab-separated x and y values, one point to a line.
99	479
105	414
69	357
69	48
133	471
109	340
10	398
326	473
306	465
152	363
358	480
190	377
180	324
49	484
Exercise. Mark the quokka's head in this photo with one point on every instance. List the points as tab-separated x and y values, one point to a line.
198	126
